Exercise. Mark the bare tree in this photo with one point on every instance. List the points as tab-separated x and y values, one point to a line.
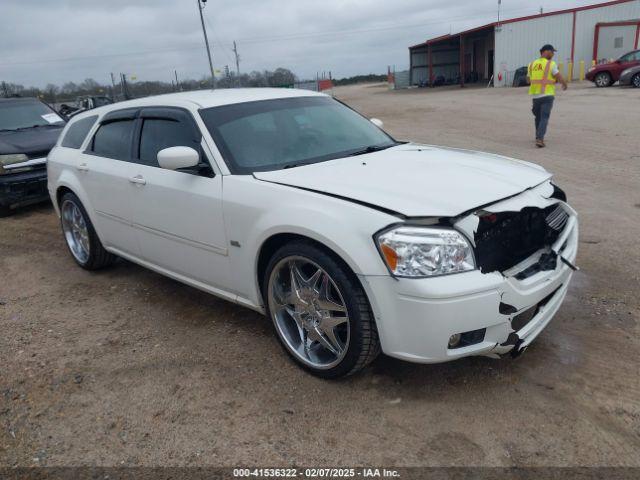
50	92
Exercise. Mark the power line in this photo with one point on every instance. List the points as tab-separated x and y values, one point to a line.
265	39
220	44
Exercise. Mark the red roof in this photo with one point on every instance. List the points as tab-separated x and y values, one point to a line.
522	19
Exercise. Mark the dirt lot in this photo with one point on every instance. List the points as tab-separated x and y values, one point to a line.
125	367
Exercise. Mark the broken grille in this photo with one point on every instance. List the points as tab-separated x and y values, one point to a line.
507	238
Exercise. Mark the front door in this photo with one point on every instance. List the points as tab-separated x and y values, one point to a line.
178	214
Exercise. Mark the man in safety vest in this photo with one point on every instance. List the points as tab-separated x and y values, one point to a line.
543	75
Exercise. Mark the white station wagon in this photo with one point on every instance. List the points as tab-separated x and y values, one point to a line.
292	204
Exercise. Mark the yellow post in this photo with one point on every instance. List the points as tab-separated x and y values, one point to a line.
561	68
570	74
593	63
581	70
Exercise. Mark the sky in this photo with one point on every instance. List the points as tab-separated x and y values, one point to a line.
55	41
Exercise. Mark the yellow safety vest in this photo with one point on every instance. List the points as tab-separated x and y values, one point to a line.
542	80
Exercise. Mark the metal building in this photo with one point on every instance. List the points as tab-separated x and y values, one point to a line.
497	50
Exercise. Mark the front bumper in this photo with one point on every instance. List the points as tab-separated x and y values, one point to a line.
24	188
625	78
417	317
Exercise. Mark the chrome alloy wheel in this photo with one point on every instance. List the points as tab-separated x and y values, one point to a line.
75	231
309	312
602	80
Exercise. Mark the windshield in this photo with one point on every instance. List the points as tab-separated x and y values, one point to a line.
15	115
630	57
283	133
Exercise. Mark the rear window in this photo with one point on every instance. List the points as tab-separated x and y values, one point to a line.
113	140
77	132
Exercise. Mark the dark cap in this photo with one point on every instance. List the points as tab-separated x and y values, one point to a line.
547	47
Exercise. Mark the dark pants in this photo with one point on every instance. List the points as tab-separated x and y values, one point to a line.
542	111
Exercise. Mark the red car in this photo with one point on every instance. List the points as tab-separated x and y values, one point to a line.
606	74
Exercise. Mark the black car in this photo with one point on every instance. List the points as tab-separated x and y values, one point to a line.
28	131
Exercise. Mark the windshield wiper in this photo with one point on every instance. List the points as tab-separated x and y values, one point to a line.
20	128
36	126
294	165
371	149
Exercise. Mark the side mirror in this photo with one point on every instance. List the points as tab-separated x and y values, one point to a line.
175	158
377	122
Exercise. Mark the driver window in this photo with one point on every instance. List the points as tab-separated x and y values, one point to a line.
158	134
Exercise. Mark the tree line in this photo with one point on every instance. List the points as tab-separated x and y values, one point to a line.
69	91
372	77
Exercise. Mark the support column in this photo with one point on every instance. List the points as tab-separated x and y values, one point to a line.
430	49
573	39
596	38
462	72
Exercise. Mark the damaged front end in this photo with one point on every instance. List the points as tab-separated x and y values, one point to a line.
504	240
526	242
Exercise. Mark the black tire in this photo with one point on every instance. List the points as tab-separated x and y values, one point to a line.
98	256
5	211
635	81
364	345
603	80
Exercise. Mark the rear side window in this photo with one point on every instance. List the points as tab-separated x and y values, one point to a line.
158	134
113	140
77	132
631	57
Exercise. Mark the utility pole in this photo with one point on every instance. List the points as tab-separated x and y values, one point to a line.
177	82
201	5
499	7
113	85
235	52
125	89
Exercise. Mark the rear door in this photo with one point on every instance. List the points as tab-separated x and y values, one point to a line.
107	173
178	214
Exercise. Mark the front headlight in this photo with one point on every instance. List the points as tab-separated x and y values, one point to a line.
591	69
13	158
418	252
10	159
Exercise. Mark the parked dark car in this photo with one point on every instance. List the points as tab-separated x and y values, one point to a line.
631	76
28	131
520	77
606	74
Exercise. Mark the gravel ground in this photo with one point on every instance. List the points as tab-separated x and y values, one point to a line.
125	367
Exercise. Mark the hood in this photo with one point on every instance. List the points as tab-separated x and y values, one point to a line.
30	141
417	180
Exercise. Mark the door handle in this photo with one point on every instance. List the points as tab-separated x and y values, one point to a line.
138	180
83	167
